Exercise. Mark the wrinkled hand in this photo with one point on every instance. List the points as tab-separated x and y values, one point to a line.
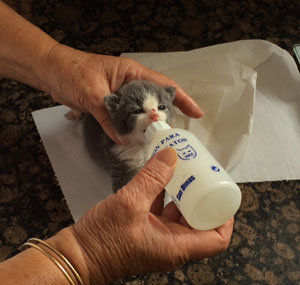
131	232
80	80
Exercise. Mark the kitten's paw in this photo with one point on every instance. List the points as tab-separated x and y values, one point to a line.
74	115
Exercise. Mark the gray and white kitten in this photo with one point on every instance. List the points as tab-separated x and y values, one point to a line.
132	109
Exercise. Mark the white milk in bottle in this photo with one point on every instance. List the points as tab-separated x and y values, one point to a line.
202	190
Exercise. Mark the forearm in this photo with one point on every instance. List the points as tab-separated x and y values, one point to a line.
30	267
23	48
33	267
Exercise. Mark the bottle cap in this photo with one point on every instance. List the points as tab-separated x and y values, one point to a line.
154	127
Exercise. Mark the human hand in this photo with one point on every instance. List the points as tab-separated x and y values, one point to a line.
130	232
80	80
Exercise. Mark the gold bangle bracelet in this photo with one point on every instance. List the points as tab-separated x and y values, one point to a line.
52	259
61	256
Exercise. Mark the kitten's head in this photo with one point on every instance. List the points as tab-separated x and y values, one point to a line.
136	105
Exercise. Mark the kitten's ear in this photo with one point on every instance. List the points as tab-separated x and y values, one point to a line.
171	90
111	102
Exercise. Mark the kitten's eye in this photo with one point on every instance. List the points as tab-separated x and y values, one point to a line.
137	111
162	107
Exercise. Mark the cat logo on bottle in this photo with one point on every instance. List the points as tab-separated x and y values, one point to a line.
187	153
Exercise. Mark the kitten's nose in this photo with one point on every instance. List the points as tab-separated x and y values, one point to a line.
153	115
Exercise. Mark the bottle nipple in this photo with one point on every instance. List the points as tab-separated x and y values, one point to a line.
154	127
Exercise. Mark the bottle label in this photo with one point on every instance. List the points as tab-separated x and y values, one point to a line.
215	168
184	186
172	140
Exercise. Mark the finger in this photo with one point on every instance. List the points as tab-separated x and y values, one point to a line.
187	105
152	178
158	204
223	230
171	212
183	101
209	243
102	116
183	222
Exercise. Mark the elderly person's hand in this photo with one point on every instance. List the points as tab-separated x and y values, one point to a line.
80	80
130	232
75	78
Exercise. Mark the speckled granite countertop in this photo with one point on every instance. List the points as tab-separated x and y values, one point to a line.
265	247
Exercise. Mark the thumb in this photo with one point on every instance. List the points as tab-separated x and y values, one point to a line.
152	178
103	118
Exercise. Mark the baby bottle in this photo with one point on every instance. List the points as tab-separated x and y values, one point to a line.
201	189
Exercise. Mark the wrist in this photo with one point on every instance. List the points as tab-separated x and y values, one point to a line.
67	244
40	65
55	63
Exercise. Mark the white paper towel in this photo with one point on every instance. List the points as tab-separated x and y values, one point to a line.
250	93
222	80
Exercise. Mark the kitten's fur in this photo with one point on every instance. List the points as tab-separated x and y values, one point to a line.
132	109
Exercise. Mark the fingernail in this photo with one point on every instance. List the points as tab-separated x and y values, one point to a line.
167	156
198	113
